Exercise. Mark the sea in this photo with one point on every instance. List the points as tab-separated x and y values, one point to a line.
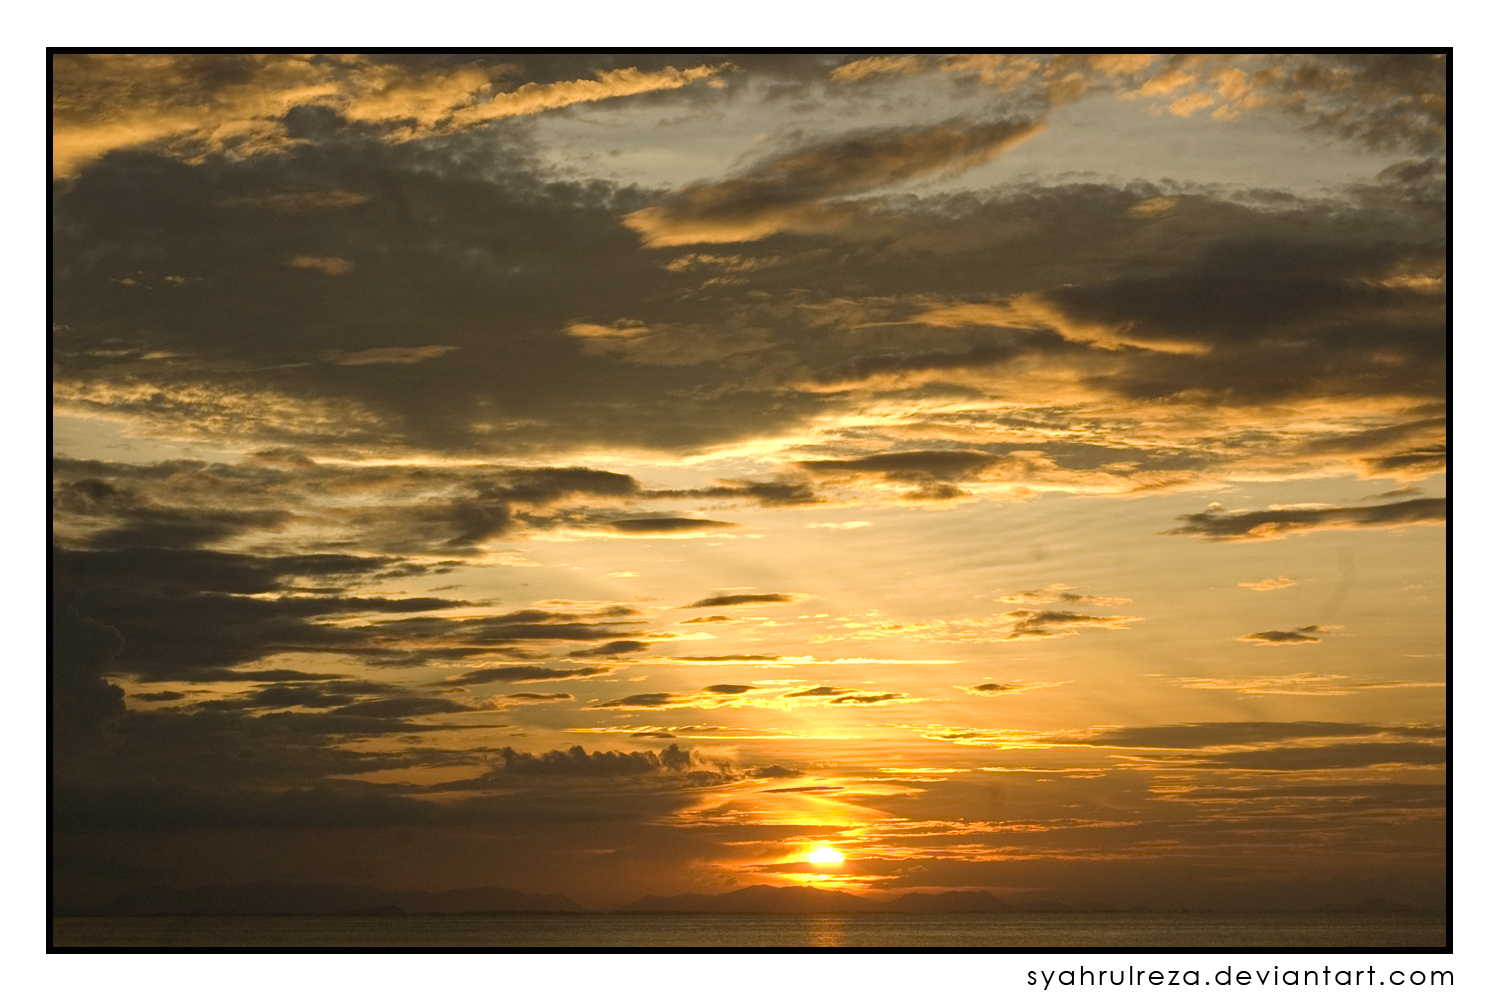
1288	932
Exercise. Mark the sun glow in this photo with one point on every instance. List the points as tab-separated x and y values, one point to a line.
826	855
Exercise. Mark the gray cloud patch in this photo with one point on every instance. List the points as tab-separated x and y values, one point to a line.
668	525
1343	755
522	674
1307	633
576	762
1255	525
795	191
728	600
909	465
1193	735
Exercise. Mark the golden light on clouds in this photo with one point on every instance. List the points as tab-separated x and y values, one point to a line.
641	477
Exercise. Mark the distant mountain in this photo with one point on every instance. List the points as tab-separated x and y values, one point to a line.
757	899
285	898
806	899
947	902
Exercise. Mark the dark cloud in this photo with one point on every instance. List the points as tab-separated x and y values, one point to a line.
578	763
522	674
668	525
846	696
729	688
768	493
1338	756
1193	735
816	692
402	708
660	699
423	510
145	526
1307	633
1048	624
169	571
529	698
795	191
1256	525
192	615
159	696
728	600
909	466
613	648
83	651
869	367
1059	592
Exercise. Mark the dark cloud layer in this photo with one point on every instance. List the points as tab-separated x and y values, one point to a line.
1266	524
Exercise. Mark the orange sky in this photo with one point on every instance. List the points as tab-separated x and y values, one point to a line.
1020	473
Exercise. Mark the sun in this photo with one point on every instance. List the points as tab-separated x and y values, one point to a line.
826	855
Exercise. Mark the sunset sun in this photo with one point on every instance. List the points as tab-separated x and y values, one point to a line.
826	855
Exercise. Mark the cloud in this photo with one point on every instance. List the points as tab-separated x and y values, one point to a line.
1051	624
456	511
404	707
1024	625
877	65
785	492
578	763
1198	735
388	355
1271	583
931	476
128	518
528	698
616	648
1060	592
798	191
841	525
727	600
672	344
194	106
653	701
526	674
1336	757
194	614
1317	685
827	695
298	202
992	690
752	695
909	465
657	526
532	98
1307	633
1278	522
331	266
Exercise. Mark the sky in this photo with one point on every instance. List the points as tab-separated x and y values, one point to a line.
614	475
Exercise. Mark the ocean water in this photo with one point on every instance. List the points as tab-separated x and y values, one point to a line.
717	931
